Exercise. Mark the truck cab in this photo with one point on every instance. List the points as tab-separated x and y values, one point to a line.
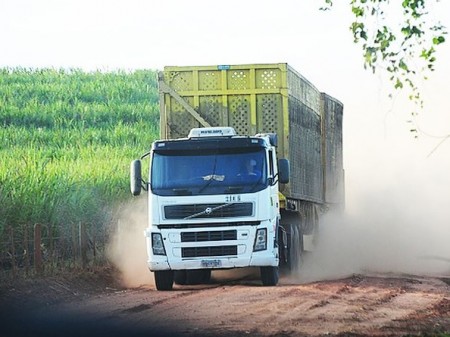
213	204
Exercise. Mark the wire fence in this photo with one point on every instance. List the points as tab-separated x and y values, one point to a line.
38	249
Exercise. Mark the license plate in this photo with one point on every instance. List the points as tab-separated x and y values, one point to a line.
211	263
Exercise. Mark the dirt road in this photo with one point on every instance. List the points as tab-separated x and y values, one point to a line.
360	305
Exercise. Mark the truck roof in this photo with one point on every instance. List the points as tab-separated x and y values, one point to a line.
233	143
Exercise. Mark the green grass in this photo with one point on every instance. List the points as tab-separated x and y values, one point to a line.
66	140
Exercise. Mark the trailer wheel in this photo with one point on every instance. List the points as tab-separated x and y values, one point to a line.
269	276
164	279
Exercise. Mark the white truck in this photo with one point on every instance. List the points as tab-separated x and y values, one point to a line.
219	197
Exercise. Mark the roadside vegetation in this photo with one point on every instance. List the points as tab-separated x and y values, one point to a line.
66	140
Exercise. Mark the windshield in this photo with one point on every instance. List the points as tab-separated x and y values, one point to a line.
206	172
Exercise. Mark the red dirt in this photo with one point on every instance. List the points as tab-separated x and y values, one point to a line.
360	305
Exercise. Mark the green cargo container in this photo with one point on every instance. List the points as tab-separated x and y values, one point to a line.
261	98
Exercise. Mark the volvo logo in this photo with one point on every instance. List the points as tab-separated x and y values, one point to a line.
208	210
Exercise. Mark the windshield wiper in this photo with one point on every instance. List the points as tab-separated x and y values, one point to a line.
208	210
234	189
182	191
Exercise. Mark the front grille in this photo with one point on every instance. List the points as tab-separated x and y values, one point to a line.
209	236
221	211
208	251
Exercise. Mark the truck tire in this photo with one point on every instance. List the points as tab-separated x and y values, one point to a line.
164	279
269	276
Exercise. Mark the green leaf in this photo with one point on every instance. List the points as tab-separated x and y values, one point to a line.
358	11
403	66
398	84
406	31
363	35
416	31
438	40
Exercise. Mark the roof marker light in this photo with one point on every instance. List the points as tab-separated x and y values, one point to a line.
217	131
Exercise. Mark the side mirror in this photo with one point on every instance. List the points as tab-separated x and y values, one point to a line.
283	171
135	177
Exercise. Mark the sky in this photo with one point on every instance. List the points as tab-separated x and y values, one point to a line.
385	165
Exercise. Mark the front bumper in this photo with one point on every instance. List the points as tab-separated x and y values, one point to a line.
257	260
188	255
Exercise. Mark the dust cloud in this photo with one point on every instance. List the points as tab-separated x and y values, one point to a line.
397	217
397	220
127	248
237	274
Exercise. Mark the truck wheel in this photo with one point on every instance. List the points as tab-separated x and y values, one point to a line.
200	276
180	277
269	276
164	279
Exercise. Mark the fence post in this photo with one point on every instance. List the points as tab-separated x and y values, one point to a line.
13	252
83	244
37	248
94	247
51	257
74	245
26	253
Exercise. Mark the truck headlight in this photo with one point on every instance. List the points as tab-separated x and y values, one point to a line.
157	244
260	240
